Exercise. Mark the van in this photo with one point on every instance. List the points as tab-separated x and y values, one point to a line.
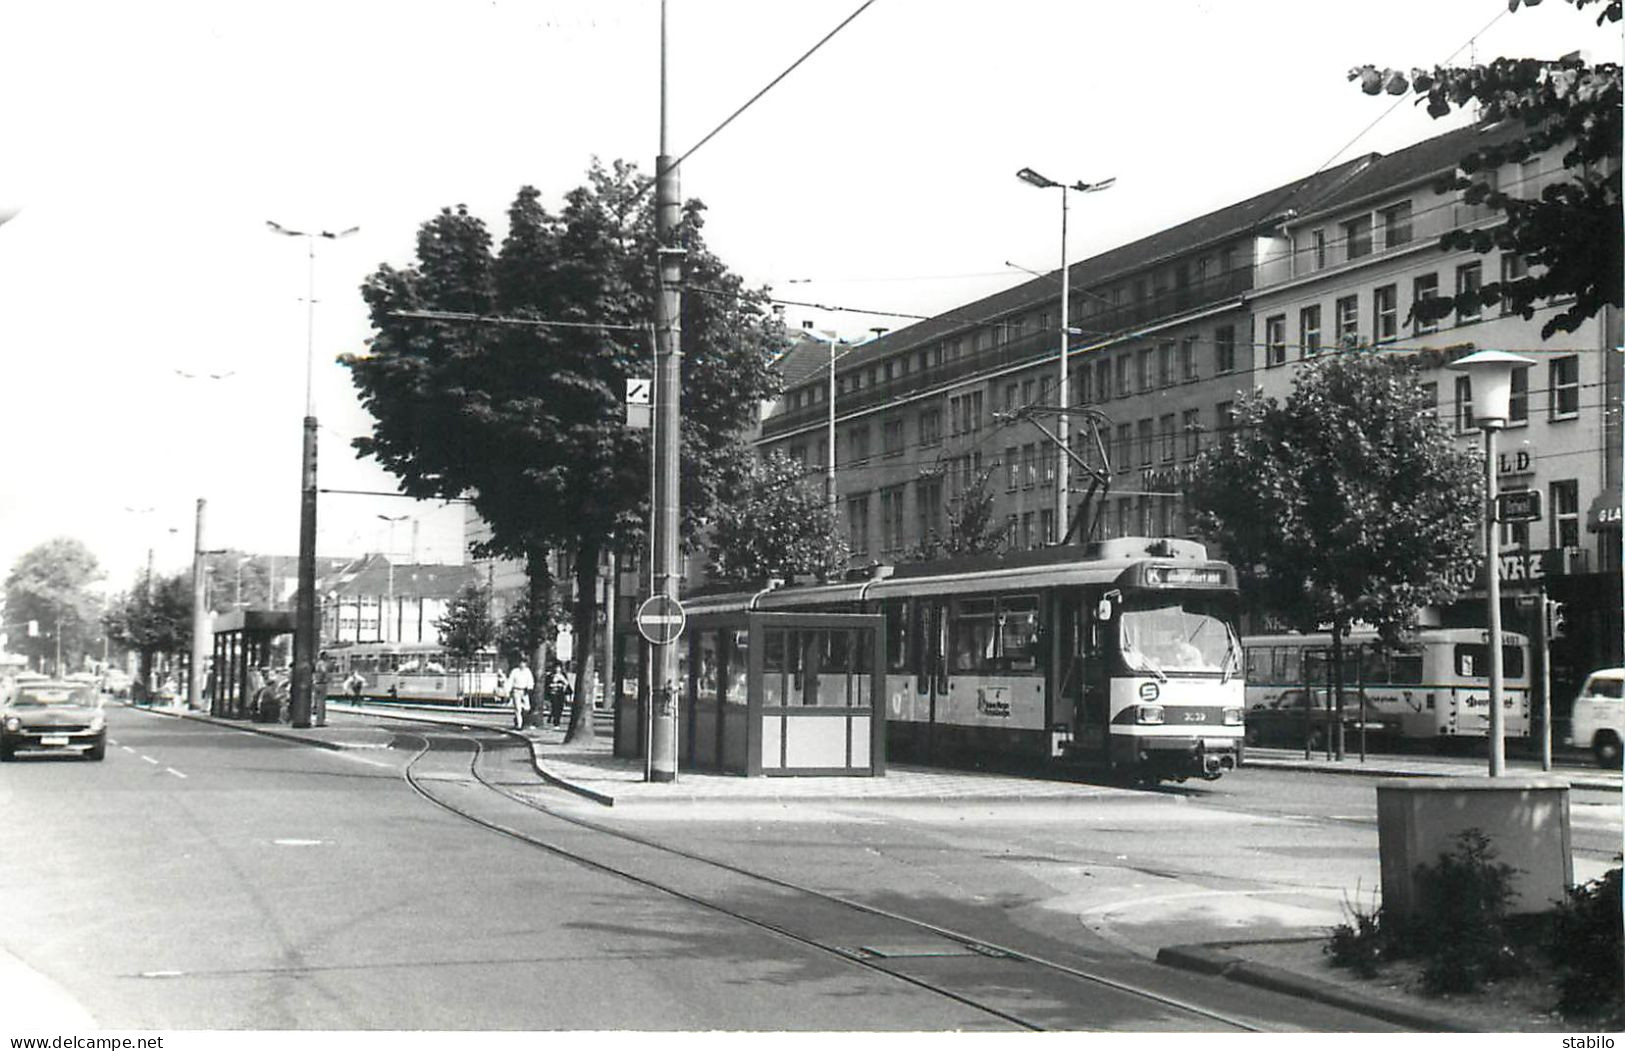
1597	720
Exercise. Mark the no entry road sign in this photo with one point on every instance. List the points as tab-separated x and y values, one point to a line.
661	619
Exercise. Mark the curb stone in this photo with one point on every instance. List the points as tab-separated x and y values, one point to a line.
1212	958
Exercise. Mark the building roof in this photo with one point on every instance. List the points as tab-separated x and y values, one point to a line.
370	576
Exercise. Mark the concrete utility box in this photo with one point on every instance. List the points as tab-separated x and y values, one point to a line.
1525	818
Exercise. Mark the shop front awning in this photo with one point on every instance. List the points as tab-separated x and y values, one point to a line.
1604	513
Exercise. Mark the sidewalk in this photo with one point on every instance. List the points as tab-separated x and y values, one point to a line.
594	772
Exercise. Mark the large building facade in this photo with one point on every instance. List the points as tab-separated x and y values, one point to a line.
1168	332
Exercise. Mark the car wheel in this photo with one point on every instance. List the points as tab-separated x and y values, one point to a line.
1606	749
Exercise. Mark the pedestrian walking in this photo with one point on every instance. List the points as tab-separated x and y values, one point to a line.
520	684
558	692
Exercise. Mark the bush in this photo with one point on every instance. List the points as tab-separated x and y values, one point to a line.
1459	927
1360	945
1585	945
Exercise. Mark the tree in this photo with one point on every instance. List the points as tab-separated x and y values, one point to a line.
48	587
466	628
527	419
1571	234
1349	502
779	525
153	618
973	528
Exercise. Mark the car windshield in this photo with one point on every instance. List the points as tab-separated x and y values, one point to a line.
54	696
1170	636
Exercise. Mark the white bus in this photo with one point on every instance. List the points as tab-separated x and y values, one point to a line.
1434	686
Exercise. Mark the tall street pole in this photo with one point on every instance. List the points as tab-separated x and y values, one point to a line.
304	618
1492	586
668	367
200	651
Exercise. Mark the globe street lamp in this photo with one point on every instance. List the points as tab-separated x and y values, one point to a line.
1063	477
304	623
1489	374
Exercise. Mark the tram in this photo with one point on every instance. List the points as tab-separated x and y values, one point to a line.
1122	655
1434	686
421	673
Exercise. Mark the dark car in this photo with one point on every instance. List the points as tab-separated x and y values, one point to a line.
1283	723
53	716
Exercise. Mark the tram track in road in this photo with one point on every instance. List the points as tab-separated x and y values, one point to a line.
1005	984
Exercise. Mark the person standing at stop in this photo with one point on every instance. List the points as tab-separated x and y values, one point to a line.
558	692
520	684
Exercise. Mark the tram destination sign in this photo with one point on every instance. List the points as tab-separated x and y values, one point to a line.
661	619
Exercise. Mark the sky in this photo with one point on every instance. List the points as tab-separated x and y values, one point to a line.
154	331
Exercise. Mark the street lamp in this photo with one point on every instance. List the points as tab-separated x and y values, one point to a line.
304	624
1063	477
829	461
1489	373
389	562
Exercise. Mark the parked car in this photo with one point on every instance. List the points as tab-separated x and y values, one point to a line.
53	716
1597	719
1282	722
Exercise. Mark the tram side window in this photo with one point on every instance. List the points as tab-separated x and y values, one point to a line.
1018	634
974	633
1406	669
1258	663
1286	664
897	636
1473	661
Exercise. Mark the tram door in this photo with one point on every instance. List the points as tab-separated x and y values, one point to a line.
1066	671
932	682
1090	639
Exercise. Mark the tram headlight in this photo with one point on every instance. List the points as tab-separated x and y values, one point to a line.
1148	714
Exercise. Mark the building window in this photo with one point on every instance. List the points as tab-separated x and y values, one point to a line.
1424	288
1224	348
1080	386
857	444
1103	380
1430	399
1144	438
1513	268
1464	405
1165	431
965	413
1125	447
1142	369
1125	517
1190	424
1026	530
928	506
1165	364
1348	321
1029	466
891	436
857	523
1012	469
1187	358
1309	331
1518	404
1565	513
1357	236
1317	241
1047	464
931	427
1010	404
1275	341
1046	526
891	520
1027	392
1469	276
1122	375
1396	225
1564	383
1385	313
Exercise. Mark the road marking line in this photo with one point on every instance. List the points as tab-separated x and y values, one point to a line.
177	773
127	748
150	759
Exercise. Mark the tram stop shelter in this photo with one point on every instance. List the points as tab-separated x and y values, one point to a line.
242	641
766	694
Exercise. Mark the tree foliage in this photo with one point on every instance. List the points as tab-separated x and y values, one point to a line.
778	525
154	617
467	627
50	585
1349	501
973	527
528	420
1571	234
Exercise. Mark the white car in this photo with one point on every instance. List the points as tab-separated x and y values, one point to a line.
1597	720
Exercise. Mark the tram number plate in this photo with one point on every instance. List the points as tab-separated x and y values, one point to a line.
1195	717
53	741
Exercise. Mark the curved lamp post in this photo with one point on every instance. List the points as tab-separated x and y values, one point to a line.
1490	373
1063	477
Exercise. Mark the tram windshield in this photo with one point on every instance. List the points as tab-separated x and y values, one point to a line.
1165	636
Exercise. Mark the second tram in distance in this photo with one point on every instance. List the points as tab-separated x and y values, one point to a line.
1123	655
